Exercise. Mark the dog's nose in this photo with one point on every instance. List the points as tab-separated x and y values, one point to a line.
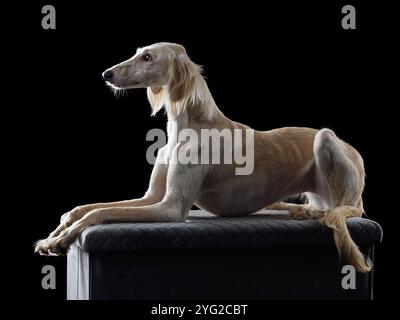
108	75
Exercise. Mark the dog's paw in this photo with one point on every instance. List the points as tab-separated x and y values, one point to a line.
304	213
300	215
52	247
58	247
41	247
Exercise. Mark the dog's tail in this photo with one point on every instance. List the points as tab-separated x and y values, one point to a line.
348	250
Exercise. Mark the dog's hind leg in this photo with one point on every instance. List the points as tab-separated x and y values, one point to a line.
297	211
340	183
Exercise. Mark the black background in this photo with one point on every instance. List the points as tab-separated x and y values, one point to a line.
267	65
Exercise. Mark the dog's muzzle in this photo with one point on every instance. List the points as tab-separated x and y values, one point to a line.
108	75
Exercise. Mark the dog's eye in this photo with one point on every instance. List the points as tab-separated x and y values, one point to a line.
147	57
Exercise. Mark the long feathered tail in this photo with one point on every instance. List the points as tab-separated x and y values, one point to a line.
348	250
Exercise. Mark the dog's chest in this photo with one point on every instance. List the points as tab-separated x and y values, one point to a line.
174	128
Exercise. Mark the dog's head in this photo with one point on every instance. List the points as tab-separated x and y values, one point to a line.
152	66
158	67
147	68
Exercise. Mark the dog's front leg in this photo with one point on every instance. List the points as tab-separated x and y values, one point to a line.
79	211
183	184
154	194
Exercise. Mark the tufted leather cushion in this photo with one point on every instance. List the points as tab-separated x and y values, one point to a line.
204	230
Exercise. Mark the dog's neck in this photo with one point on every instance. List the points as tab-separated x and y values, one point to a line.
198	106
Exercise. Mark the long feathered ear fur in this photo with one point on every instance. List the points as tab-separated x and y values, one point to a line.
156	97
181	89
182	78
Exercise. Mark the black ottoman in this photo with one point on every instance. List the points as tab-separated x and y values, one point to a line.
262	256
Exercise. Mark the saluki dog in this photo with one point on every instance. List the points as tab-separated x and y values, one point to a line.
287	161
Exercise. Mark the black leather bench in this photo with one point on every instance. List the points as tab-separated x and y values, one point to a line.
266	255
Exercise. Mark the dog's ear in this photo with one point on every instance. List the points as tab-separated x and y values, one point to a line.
182	78
156	97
